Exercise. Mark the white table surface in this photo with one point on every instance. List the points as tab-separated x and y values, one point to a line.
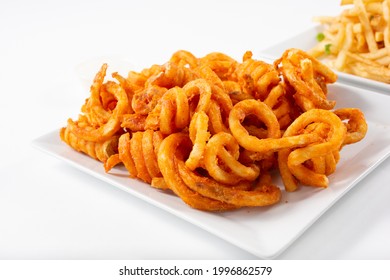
50	210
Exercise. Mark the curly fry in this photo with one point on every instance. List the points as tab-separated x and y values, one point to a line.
199	95
97	150
332	143
264	195
167	161
199	135
306	75
356	125
256	77
271	144
105	131
221	160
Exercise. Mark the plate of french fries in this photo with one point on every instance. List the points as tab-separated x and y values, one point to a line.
244	149
355	43
266	231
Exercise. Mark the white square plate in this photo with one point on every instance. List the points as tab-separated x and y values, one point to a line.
307	40
264	232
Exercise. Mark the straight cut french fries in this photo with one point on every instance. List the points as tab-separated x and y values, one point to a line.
357	41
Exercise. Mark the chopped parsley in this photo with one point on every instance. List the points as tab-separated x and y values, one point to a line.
320	37
327	48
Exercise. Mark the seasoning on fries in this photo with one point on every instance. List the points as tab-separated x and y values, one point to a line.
212	130
357	41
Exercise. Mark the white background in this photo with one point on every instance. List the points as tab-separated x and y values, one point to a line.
49	52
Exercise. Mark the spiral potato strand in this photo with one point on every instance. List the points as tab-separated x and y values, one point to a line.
97	150
138	153
308	77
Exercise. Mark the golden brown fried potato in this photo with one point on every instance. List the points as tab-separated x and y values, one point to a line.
212	129
357	41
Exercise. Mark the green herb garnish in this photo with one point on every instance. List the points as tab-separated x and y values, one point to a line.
320	37
327	48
